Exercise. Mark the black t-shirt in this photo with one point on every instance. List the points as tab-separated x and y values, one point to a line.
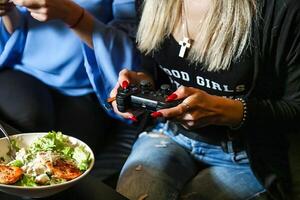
229	83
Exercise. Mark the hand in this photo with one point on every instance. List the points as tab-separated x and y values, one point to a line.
44	10
127	77
6	7
200	109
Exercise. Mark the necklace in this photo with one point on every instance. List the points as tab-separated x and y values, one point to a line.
185	42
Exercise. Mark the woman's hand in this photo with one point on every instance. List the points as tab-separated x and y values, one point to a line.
6	8
44	10
127	77
200	109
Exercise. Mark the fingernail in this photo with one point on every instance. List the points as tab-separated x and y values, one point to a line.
125	84
171	97
133	118
156	114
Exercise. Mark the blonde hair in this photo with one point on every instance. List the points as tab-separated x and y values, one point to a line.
223	35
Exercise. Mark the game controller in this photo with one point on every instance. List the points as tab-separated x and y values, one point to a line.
143	96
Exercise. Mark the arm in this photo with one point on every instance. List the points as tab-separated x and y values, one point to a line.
67	11
109	47
82	23
279	102
114	49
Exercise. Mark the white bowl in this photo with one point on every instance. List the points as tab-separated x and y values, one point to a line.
40	191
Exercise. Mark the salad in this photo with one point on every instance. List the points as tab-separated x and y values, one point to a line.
49	160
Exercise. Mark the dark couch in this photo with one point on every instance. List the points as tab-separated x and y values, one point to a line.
295	164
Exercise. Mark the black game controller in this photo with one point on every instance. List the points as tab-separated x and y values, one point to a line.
143	96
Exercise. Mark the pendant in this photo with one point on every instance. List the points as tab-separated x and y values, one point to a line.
185	43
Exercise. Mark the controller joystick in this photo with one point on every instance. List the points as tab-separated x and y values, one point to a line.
166	89
145	86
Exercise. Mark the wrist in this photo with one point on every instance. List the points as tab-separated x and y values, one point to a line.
78	20
73	13
243	116
232	112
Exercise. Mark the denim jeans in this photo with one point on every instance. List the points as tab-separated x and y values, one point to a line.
164	166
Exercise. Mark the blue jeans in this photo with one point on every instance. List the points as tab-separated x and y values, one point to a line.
163	166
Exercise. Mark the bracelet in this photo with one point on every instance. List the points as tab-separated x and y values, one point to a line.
240	125
79	19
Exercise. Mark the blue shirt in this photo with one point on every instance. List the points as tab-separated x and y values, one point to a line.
53	53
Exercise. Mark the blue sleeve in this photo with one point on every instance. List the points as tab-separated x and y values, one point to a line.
12	45
114	50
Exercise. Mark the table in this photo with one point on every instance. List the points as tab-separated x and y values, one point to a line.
89	188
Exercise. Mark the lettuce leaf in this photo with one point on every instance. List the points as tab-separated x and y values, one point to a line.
16	163
82	158
55	142
27	181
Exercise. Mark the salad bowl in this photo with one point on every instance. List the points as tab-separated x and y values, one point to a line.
33	143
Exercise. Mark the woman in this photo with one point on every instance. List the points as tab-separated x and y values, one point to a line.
236	67
49	79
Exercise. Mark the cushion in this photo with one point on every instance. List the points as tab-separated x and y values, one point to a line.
294	154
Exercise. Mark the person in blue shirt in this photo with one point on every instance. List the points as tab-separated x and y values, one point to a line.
59	59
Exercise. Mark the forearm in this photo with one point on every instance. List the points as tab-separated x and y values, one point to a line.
275	113
82	22
84	29
281	108
11	20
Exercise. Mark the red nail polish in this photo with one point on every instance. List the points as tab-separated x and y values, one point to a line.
125	85
171	97
133	118
156	114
